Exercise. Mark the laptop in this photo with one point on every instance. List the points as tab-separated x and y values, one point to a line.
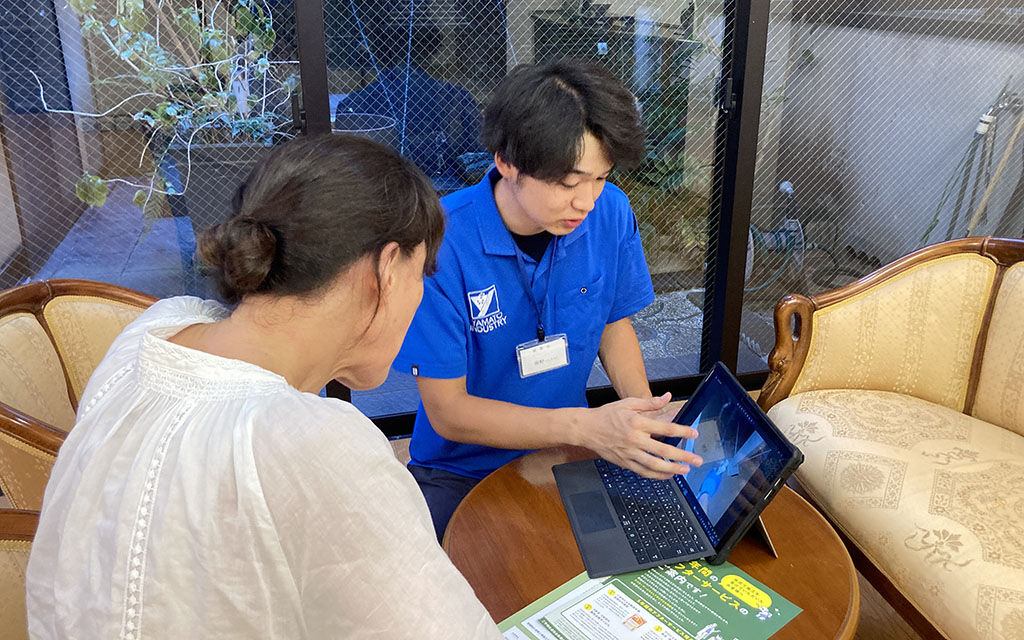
623	522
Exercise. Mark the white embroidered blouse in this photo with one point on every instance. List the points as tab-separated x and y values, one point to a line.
203	497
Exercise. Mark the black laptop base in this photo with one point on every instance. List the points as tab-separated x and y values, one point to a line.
602	528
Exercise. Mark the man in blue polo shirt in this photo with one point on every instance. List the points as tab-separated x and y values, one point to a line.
540	268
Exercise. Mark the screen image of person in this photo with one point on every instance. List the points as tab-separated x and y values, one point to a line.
206	489
539	271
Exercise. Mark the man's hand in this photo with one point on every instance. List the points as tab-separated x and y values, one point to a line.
626	432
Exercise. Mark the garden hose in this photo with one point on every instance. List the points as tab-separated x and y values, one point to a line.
774	276
1010	224
960	196
772	241
947	189
984	165
995	178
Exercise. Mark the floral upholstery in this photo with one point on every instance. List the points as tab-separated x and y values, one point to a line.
13	561
83	328
930	495
31	378
890	338
1000	398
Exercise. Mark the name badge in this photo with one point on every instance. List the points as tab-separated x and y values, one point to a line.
537	357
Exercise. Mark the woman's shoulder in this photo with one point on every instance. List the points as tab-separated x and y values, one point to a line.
171	311
294	423
309	449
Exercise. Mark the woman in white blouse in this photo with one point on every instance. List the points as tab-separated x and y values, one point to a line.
206	490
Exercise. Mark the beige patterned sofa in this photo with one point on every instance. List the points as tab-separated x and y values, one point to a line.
17	529
52	335
905	391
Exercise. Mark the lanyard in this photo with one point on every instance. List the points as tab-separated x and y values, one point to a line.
537	307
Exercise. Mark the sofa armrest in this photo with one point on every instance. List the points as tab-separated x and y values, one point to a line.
28	449
793	316
37	433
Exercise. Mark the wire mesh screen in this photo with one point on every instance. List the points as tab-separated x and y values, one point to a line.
885	127
415	74
127	124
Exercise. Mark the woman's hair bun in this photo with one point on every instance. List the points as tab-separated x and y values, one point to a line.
241	252
314	206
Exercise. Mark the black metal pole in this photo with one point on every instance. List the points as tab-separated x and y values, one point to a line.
309	30
745	43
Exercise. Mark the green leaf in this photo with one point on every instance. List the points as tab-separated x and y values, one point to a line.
264	41
245	21
92	190
216	47
139	199
135	22
189	26
91	27
82	7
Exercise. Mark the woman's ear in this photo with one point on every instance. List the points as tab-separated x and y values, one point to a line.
387	265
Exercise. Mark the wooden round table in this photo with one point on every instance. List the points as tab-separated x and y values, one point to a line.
511	538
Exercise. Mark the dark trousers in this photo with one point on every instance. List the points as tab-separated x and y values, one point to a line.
443	491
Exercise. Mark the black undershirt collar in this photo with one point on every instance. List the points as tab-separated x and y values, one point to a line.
533	245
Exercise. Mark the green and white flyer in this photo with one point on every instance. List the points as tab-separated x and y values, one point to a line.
685	601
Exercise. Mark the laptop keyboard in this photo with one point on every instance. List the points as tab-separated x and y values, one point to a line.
657	524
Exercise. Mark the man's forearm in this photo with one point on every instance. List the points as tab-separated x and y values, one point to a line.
623	361
461	417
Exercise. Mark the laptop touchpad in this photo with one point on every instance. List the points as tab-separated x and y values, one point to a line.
592	512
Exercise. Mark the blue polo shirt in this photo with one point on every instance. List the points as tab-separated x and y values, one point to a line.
475	311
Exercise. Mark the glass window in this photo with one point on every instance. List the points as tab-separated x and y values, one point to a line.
881	132
127	127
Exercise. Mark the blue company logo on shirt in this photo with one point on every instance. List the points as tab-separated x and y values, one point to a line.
484	313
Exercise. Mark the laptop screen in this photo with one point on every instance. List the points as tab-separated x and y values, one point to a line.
739	457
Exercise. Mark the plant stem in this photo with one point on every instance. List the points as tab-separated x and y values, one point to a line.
188	55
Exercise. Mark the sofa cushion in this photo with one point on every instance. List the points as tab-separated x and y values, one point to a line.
84	327
31	378
916	335
933	497
1000	397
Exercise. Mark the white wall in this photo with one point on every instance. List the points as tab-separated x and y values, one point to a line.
875	122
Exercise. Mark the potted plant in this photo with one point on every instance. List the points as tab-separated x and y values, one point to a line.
216	99
671	190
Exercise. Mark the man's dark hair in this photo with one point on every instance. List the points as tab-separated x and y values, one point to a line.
314	207
539	114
